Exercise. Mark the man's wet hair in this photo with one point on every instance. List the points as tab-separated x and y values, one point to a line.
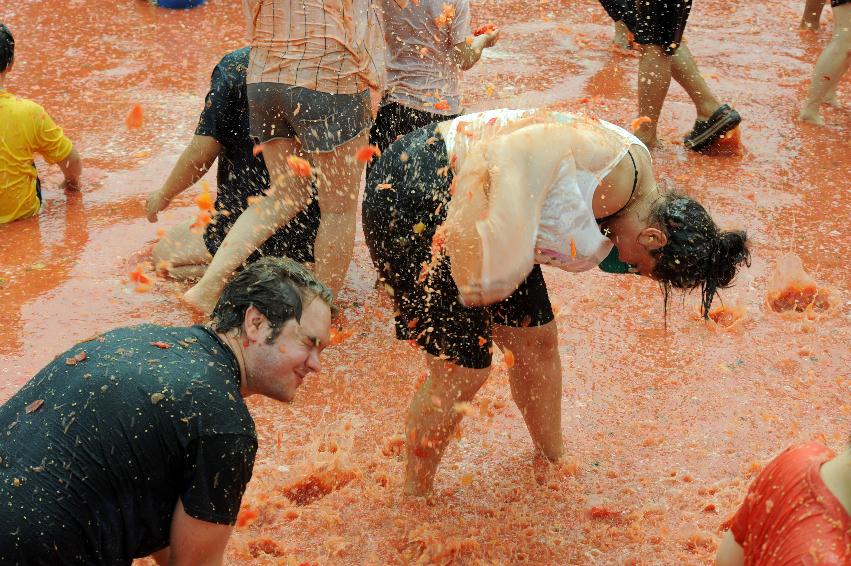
7	47
697	254
277	287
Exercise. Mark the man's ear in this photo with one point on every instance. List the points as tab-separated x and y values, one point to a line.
652	238
255	324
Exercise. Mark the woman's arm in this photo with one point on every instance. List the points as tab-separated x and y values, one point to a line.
495	211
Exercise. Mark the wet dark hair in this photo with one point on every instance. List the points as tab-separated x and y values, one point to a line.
697	254
7	47
278	287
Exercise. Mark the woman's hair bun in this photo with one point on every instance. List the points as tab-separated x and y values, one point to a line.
732	252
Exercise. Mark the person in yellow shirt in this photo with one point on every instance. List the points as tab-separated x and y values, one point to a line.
26	129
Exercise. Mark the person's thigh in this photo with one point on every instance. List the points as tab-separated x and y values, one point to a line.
528	306
182	245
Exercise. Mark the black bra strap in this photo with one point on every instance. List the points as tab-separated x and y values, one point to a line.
634	185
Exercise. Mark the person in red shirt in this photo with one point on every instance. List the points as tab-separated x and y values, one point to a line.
797	511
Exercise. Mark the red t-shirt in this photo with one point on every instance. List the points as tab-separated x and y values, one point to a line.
789	517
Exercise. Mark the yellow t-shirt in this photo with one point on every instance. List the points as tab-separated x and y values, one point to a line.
25	129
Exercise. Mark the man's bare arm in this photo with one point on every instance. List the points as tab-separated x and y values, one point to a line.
193	542
72	168
466	54
195	160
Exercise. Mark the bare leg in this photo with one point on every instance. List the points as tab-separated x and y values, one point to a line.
183	251
339	180
432	417
287	195
621	37
654	78
684	70
536	383
812	14
831	64
830	97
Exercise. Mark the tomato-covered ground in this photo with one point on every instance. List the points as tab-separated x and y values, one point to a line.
664	426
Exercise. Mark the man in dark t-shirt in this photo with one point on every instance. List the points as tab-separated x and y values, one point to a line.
222	133
139	441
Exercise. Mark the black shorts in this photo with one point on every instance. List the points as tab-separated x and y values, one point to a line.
295	240
619	10
659	22
429	311
394	120
321	121
835	3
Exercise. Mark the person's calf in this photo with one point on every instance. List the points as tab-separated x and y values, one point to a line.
654	79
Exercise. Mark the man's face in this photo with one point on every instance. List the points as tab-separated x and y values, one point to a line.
277	369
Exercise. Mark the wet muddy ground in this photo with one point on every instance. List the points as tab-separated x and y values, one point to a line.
664	427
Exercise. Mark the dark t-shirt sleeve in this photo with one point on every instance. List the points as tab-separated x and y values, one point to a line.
217	471
212	120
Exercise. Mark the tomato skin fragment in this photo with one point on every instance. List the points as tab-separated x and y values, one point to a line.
509	358
367	152
246	517
162	345
135	118
637	123
481	30
205	200
76	359
441	105
300	167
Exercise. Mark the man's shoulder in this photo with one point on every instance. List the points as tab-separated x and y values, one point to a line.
23	106
234	66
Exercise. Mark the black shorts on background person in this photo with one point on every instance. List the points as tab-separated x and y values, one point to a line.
658	27
659	23
395	120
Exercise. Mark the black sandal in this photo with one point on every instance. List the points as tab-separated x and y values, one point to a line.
705	132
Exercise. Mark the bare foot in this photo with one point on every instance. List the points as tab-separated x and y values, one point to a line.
201	299
647	134
811	115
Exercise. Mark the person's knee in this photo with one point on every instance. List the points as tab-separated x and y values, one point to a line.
338	200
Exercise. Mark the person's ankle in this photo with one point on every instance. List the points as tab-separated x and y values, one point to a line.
707	109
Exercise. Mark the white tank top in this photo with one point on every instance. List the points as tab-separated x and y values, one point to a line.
566	213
